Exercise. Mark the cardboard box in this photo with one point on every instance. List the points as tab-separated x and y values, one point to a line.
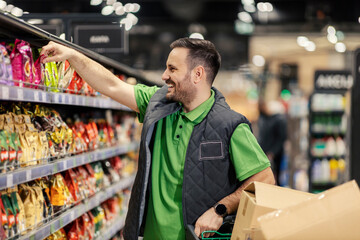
333	214
258	199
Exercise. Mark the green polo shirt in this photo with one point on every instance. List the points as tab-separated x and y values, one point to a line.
164	218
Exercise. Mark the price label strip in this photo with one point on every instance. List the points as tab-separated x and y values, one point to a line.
5	92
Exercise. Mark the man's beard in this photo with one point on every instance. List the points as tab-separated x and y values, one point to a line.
183	92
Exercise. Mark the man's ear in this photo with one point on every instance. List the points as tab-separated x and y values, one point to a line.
199	73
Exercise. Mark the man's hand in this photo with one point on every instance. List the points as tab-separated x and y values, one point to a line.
209	221
54	52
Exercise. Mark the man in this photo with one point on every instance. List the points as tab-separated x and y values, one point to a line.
196	155
272	135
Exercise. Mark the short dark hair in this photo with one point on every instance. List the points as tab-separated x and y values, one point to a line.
200	52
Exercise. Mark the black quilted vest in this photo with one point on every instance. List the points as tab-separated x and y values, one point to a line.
209	174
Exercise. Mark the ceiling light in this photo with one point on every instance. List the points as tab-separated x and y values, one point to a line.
245	17
310	46
247	2
62	36
269	7
127	22
332	38
129	7
136	7
35	21
265	7
340	47
9	7
17	12
133	18
107	10
331	30
2	4
250	8
95	2
110	2
258	60
261	7
117	4
302	41
359	19
196	35
120	11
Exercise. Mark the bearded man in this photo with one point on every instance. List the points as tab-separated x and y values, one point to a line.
196	154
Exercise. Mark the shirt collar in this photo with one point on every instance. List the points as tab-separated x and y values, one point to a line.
199	113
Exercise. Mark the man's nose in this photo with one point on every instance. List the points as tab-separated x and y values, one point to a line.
165	76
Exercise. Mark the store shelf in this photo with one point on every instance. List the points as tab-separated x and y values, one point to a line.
327	112
15	27
115	227
13	93
30	173
75	212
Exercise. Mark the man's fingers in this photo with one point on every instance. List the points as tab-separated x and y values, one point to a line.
197	230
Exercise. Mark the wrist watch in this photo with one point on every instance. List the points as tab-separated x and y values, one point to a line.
220	209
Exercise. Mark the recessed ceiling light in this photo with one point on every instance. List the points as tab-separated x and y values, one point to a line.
340	47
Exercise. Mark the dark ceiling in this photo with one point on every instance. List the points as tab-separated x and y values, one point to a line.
170	19
290	11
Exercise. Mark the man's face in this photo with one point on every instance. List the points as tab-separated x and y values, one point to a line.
178	77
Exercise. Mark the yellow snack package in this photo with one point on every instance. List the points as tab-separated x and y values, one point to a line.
39	205
28	198
2	121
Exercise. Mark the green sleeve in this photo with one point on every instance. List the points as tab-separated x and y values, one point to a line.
246	154
143	95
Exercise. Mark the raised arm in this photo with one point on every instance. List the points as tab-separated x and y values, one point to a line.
97	76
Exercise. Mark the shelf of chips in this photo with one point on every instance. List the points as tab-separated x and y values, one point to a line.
31	173
14	93
72	214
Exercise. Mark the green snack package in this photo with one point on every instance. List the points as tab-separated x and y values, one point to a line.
48	76
4	151
10	215
55	78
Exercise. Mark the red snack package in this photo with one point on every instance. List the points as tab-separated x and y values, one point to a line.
72	184
116	163
75	85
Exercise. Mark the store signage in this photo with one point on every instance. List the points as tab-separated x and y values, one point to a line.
100	38
333	80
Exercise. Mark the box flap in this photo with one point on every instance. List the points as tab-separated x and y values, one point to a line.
333	214
276	197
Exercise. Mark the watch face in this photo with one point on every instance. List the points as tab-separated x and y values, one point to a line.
220	209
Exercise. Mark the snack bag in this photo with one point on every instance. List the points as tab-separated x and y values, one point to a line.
4	147
4	231
65	72
22	63
21	214
28	198
51	77
75	84
5	67
12	151
43	183
2	121
41	210
38	74
10	212
83	187
19	217
72	184
91	177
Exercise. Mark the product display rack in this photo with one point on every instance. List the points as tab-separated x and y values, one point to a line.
12	28
73	213
328	120
13	93
30	173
